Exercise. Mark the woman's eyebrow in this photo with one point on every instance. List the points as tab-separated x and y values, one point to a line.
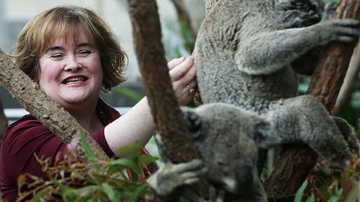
54	48
81	45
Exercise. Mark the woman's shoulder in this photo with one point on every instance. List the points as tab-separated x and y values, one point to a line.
27	120
27	125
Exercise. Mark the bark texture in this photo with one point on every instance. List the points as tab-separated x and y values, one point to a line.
151	58
29	95
296	161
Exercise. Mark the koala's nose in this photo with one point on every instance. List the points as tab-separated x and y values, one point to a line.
244	179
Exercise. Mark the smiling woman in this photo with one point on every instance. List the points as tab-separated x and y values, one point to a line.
71	74
73	55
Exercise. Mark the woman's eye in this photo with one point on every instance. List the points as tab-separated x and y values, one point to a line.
84	53
56	56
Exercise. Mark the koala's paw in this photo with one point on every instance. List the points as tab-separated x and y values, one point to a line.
170	176
347	131
341	30
332	144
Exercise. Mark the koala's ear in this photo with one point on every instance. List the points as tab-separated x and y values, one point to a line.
263	135
193	121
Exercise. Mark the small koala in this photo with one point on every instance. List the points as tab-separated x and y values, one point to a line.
228	137
228	156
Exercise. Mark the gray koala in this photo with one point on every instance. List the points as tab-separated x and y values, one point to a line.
228	139
244	54
244	51
228	151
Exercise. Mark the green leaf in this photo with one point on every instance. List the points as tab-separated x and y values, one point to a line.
87	191
126	162
125	150
88	152
110	192
311	198
139	191
40	195
147	159
300	192
354	195
133	95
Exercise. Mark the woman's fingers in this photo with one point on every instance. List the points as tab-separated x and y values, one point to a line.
174	62
182	72
180	68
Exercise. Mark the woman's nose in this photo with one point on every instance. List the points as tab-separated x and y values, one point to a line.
72	64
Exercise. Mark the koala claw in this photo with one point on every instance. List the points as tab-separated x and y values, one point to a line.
176	175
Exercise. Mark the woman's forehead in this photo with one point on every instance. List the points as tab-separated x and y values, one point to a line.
70	35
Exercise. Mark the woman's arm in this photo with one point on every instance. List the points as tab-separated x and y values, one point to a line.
137	124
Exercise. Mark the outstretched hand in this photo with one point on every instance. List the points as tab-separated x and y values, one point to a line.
182	73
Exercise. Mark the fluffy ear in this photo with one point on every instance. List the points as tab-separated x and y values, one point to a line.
263	135
193	121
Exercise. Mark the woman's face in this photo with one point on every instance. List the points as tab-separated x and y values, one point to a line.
71	72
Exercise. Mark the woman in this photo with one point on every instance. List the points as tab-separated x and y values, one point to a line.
73	55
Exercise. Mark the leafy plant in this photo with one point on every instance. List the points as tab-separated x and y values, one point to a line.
326	184
71	180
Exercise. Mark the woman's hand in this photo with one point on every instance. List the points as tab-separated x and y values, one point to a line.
183	78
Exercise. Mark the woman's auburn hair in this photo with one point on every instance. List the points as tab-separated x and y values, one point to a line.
64	22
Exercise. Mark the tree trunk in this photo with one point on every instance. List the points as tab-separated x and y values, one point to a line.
296	161
56	119
151	57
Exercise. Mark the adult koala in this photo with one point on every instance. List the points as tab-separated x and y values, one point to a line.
245	50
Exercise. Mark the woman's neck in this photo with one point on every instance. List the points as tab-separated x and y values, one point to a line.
86	115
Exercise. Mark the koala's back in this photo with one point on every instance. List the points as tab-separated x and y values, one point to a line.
226	27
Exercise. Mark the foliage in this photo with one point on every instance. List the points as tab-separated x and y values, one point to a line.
72	180
326	184
132	94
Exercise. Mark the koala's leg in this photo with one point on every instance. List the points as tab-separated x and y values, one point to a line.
304	119
170	176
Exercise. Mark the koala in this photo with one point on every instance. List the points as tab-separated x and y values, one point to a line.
244	53
228	156
228	138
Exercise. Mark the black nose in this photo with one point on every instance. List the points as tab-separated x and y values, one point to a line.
244	178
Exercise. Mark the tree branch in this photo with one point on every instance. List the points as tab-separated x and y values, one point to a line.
164	106
349	84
